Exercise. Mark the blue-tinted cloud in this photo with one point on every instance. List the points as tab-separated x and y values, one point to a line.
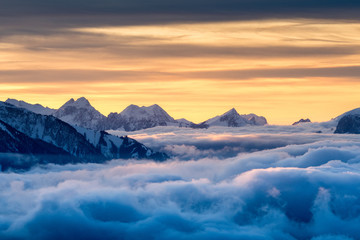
304	191
219	142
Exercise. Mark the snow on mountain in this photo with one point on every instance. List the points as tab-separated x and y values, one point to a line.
36	108
229	119
233	119
4	128
135	118
17	142
346	122
152	112
355	111
349	123
81	113
18	151
49	129
182	122
255	119
119	147
91	145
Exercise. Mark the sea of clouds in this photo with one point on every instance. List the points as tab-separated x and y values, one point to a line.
221	184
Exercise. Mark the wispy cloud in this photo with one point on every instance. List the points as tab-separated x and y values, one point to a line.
199	10
274	68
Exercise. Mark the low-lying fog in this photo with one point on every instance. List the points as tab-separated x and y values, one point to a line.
271	182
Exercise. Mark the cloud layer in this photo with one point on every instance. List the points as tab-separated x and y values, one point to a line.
190	10
222	143
303	191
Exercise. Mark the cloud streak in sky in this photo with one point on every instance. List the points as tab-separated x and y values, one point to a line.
185	10
78	75
146	52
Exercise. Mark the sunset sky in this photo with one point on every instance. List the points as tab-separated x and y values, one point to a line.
284	60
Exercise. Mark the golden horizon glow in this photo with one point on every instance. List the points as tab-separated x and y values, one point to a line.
281	69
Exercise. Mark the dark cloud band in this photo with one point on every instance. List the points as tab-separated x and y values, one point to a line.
162	11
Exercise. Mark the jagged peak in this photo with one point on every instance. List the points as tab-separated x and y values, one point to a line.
11	100
153	113
133	107
82	101
71	101
15	101
232	112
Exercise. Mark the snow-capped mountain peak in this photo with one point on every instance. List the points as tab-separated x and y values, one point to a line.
134	118
71	101
82	102
79	103
81	113
36	108
254	119
232	118
231	112
136	112
133	110
23	131
355	111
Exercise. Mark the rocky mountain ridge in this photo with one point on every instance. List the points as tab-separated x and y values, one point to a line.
233	119
76	142
81	113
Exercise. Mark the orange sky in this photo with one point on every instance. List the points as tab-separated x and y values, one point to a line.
281	69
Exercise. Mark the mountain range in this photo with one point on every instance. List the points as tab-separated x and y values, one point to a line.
233	119
26	136
81	113
74	133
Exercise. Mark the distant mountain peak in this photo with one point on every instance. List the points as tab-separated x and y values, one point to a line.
83	101
132	107
232	118
139	112
155	106
71	101
302	121
37	108
80	102
231	111
23	131
134	118
81	113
